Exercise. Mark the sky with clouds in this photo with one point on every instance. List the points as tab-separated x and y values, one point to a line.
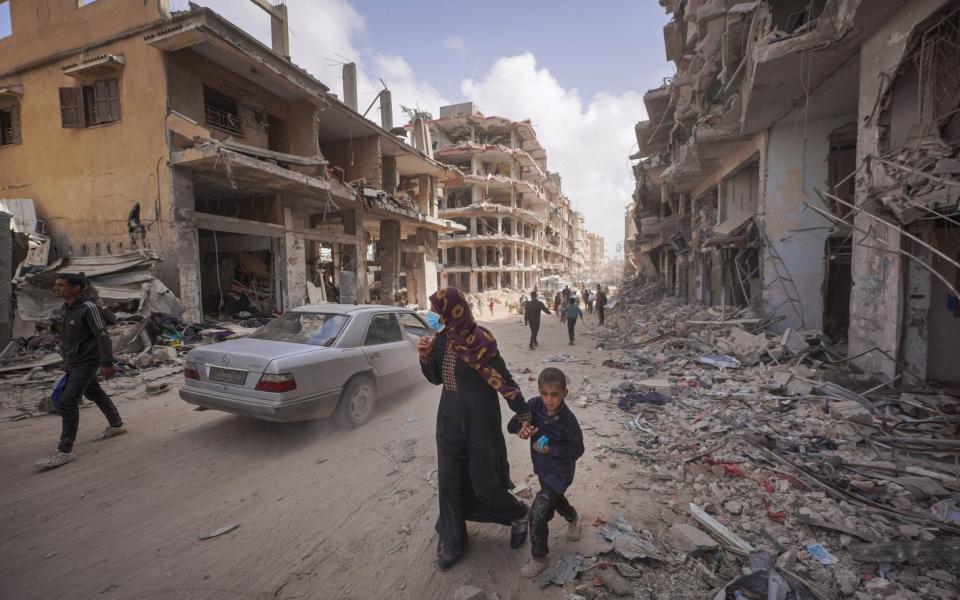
577	70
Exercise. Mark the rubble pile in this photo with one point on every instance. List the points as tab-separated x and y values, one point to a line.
783	479
145	350
917	181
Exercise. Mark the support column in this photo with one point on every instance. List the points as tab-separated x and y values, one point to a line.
499	225
472	288
389	260
187	254
425	196
353	226
423	282
473	226
295	255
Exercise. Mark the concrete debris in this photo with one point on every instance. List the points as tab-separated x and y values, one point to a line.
689	539
841	480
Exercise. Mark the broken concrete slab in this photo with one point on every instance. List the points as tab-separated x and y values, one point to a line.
689	539
793	342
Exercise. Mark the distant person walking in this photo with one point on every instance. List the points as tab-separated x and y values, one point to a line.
86	349
531	315
588	297
572	312
557	305
601	303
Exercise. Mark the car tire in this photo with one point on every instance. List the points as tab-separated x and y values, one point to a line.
356	402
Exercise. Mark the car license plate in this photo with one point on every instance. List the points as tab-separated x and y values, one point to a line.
231	376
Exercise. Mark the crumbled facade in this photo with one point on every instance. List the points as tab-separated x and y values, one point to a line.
180	134
517	224
803	161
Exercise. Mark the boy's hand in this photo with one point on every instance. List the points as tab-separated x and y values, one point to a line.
527	430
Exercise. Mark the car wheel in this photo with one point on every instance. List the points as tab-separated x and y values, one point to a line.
356	402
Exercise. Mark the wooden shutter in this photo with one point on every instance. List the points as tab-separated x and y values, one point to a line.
71	107
106	95
14	125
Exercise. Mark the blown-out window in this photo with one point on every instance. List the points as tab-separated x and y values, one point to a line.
9	125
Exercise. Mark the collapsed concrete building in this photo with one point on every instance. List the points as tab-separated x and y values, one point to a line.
803	160
132	128
517	224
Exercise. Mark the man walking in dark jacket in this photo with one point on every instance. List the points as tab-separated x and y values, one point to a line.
601	303
531	314
86	349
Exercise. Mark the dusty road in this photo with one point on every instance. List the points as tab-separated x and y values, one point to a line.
321	512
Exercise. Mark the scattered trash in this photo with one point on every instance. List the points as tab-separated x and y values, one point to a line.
560	357
820	553
561	572
719	361
219	532
628	543
629	401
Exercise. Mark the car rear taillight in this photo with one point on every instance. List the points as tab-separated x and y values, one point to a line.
277	383
190	371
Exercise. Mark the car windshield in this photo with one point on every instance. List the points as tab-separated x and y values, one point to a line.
315	329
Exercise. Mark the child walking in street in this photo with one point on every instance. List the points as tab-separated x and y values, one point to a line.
556	443
571	312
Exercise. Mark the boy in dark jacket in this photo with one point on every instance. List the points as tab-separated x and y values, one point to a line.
556	443
86	349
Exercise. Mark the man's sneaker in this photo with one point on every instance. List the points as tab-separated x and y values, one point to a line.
518	531
110	432
55	459
573	529
533	567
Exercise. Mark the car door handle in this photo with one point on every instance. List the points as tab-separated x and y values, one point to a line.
374	356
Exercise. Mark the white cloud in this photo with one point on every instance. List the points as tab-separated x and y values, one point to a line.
454	42
322	34
587	143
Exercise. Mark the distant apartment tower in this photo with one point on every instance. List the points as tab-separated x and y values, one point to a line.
596	248
518	223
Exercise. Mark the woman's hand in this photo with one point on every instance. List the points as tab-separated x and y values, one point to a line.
425	347
527	430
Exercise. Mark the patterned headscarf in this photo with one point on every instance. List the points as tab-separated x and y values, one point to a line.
473	343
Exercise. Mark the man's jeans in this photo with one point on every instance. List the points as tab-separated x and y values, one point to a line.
82	381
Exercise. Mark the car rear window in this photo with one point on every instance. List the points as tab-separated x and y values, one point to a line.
315	329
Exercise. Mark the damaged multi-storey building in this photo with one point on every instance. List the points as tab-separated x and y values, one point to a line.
517	224
130	128
803	161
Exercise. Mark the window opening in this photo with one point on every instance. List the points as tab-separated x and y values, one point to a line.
9	125
220	110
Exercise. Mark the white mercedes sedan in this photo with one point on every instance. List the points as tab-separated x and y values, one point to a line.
311	362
